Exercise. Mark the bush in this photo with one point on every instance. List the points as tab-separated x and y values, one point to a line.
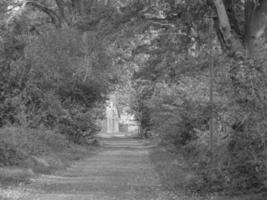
78	128
45	78
9	155
247	167
21	143
183	121
14	176
238	164
25	151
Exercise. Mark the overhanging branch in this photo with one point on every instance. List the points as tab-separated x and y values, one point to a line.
54	17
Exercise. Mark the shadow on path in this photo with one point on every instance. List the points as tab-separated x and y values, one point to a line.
121	171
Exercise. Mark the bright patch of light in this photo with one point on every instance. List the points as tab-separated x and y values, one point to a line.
13	8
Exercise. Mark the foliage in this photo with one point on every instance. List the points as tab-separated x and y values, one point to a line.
19	144
50	81
57	73
172	89
26	152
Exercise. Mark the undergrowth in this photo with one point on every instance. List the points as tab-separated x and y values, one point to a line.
177	175
25	152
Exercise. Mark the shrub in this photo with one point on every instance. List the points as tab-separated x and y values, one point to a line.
46	77
19	143
247	168
14	175
78	128
183	121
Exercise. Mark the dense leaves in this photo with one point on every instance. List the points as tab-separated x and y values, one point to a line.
172	88
53	77
60	59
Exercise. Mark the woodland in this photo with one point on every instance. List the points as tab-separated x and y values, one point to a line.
193	73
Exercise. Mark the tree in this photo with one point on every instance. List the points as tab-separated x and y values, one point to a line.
53	75
171	48
233	36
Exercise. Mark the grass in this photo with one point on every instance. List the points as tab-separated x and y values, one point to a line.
25	153
175	175
16	175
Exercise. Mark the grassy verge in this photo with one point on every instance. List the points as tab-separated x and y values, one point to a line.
176	176
25	153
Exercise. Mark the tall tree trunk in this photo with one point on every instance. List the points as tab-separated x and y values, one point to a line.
229	32
231	42
255	24
211	66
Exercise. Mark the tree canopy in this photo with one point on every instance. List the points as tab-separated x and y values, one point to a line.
61	58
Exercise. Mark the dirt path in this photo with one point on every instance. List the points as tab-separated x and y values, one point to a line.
122	171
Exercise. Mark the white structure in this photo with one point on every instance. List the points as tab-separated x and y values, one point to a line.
113	117
117	124
128	120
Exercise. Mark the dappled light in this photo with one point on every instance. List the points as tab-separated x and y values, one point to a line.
133	99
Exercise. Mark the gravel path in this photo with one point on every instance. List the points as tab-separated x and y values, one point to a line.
122	171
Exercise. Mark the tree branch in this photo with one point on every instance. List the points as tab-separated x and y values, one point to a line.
54	17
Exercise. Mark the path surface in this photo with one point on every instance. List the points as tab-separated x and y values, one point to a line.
122	171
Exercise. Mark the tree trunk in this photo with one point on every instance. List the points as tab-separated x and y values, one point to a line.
255	24
230	34
232	44
211	97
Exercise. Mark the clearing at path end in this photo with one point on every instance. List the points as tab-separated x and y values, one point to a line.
122	171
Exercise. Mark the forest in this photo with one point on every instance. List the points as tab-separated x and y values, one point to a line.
192	72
